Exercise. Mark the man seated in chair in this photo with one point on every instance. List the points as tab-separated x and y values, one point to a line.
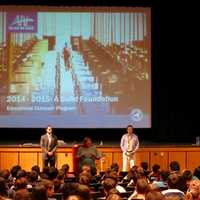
87	154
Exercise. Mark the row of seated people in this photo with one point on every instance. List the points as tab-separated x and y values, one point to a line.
138	183
115	79
20	51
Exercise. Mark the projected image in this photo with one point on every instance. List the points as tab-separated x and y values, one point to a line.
75	69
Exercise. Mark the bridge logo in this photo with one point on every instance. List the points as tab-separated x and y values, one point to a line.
22	22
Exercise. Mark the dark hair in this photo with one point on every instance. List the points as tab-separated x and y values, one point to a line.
14	170
175	181
142	186
144	165
33	176
197	172
115	167
130	125
164	174
174	166
3	188
65	168
154	195
36	168
155	168
53	172
22	195
187	175
49	125
21	183
39	192
21	173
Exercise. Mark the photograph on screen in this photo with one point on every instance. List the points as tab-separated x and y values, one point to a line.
75	67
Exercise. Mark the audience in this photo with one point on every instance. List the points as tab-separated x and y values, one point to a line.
139	183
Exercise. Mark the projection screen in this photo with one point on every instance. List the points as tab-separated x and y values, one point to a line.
75	67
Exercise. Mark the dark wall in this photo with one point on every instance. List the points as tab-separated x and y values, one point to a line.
174	78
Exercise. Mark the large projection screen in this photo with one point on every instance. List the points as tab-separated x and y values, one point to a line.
75	67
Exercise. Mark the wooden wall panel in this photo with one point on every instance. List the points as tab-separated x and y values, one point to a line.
142	156
159	157
178	156
8	160
193	160
64	158
188	157
27	160
104	163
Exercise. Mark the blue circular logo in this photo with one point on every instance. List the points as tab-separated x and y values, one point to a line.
136	115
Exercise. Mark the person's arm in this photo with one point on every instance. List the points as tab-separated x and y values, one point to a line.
136	143
79	153
122	143
55	145
42	144
97	155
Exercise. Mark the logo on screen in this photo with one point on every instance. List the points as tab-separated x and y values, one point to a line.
136	115
22	22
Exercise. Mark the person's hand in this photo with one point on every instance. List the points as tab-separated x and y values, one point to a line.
50	153
82	155
93	156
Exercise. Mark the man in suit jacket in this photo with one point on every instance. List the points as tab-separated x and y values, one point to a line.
48	143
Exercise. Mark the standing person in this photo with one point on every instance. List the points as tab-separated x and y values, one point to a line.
48	143
129	145
87	154
66	55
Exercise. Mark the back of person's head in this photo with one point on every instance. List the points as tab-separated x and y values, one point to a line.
65	168
61	174
84	179
154	195
187	175
73	197
164	175
156	168
36	168
69	189
114	197
53	172
144	165
140	172
5	173
84	192
114	167
39	192
14	170
3	188
21	183
174	166
21	173
109	183
33	176
142	186
45	173
174	197
175	181
197	172
22	195
113	174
